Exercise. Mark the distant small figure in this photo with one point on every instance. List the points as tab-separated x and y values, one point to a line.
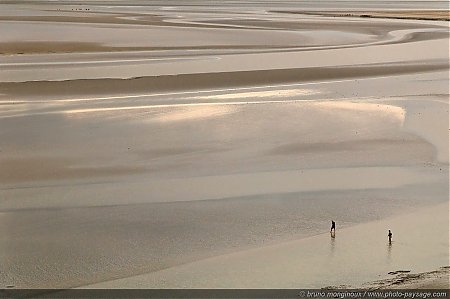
390	236
333	226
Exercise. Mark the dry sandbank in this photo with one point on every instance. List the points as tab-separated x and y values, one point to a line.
437	279
432	15
210	80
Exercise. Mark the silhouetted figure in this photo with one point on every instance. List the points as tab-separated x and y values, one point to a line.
333	226
390	236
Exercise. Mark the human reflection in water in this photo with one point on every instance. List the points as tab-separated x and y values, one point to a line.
332	243
389	251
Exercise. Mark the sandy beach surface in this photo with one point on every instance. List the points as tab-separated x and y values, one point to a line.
161	145
330	257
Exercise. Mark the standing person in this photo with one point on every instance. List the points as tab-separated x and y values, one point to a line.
333	226
390	236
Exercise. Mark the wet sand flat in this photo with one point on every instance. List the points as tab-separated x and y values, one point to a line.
329	257
154	145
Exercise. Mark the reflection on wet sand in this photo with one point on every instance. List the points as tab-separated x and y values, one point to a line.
332	243
389	252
